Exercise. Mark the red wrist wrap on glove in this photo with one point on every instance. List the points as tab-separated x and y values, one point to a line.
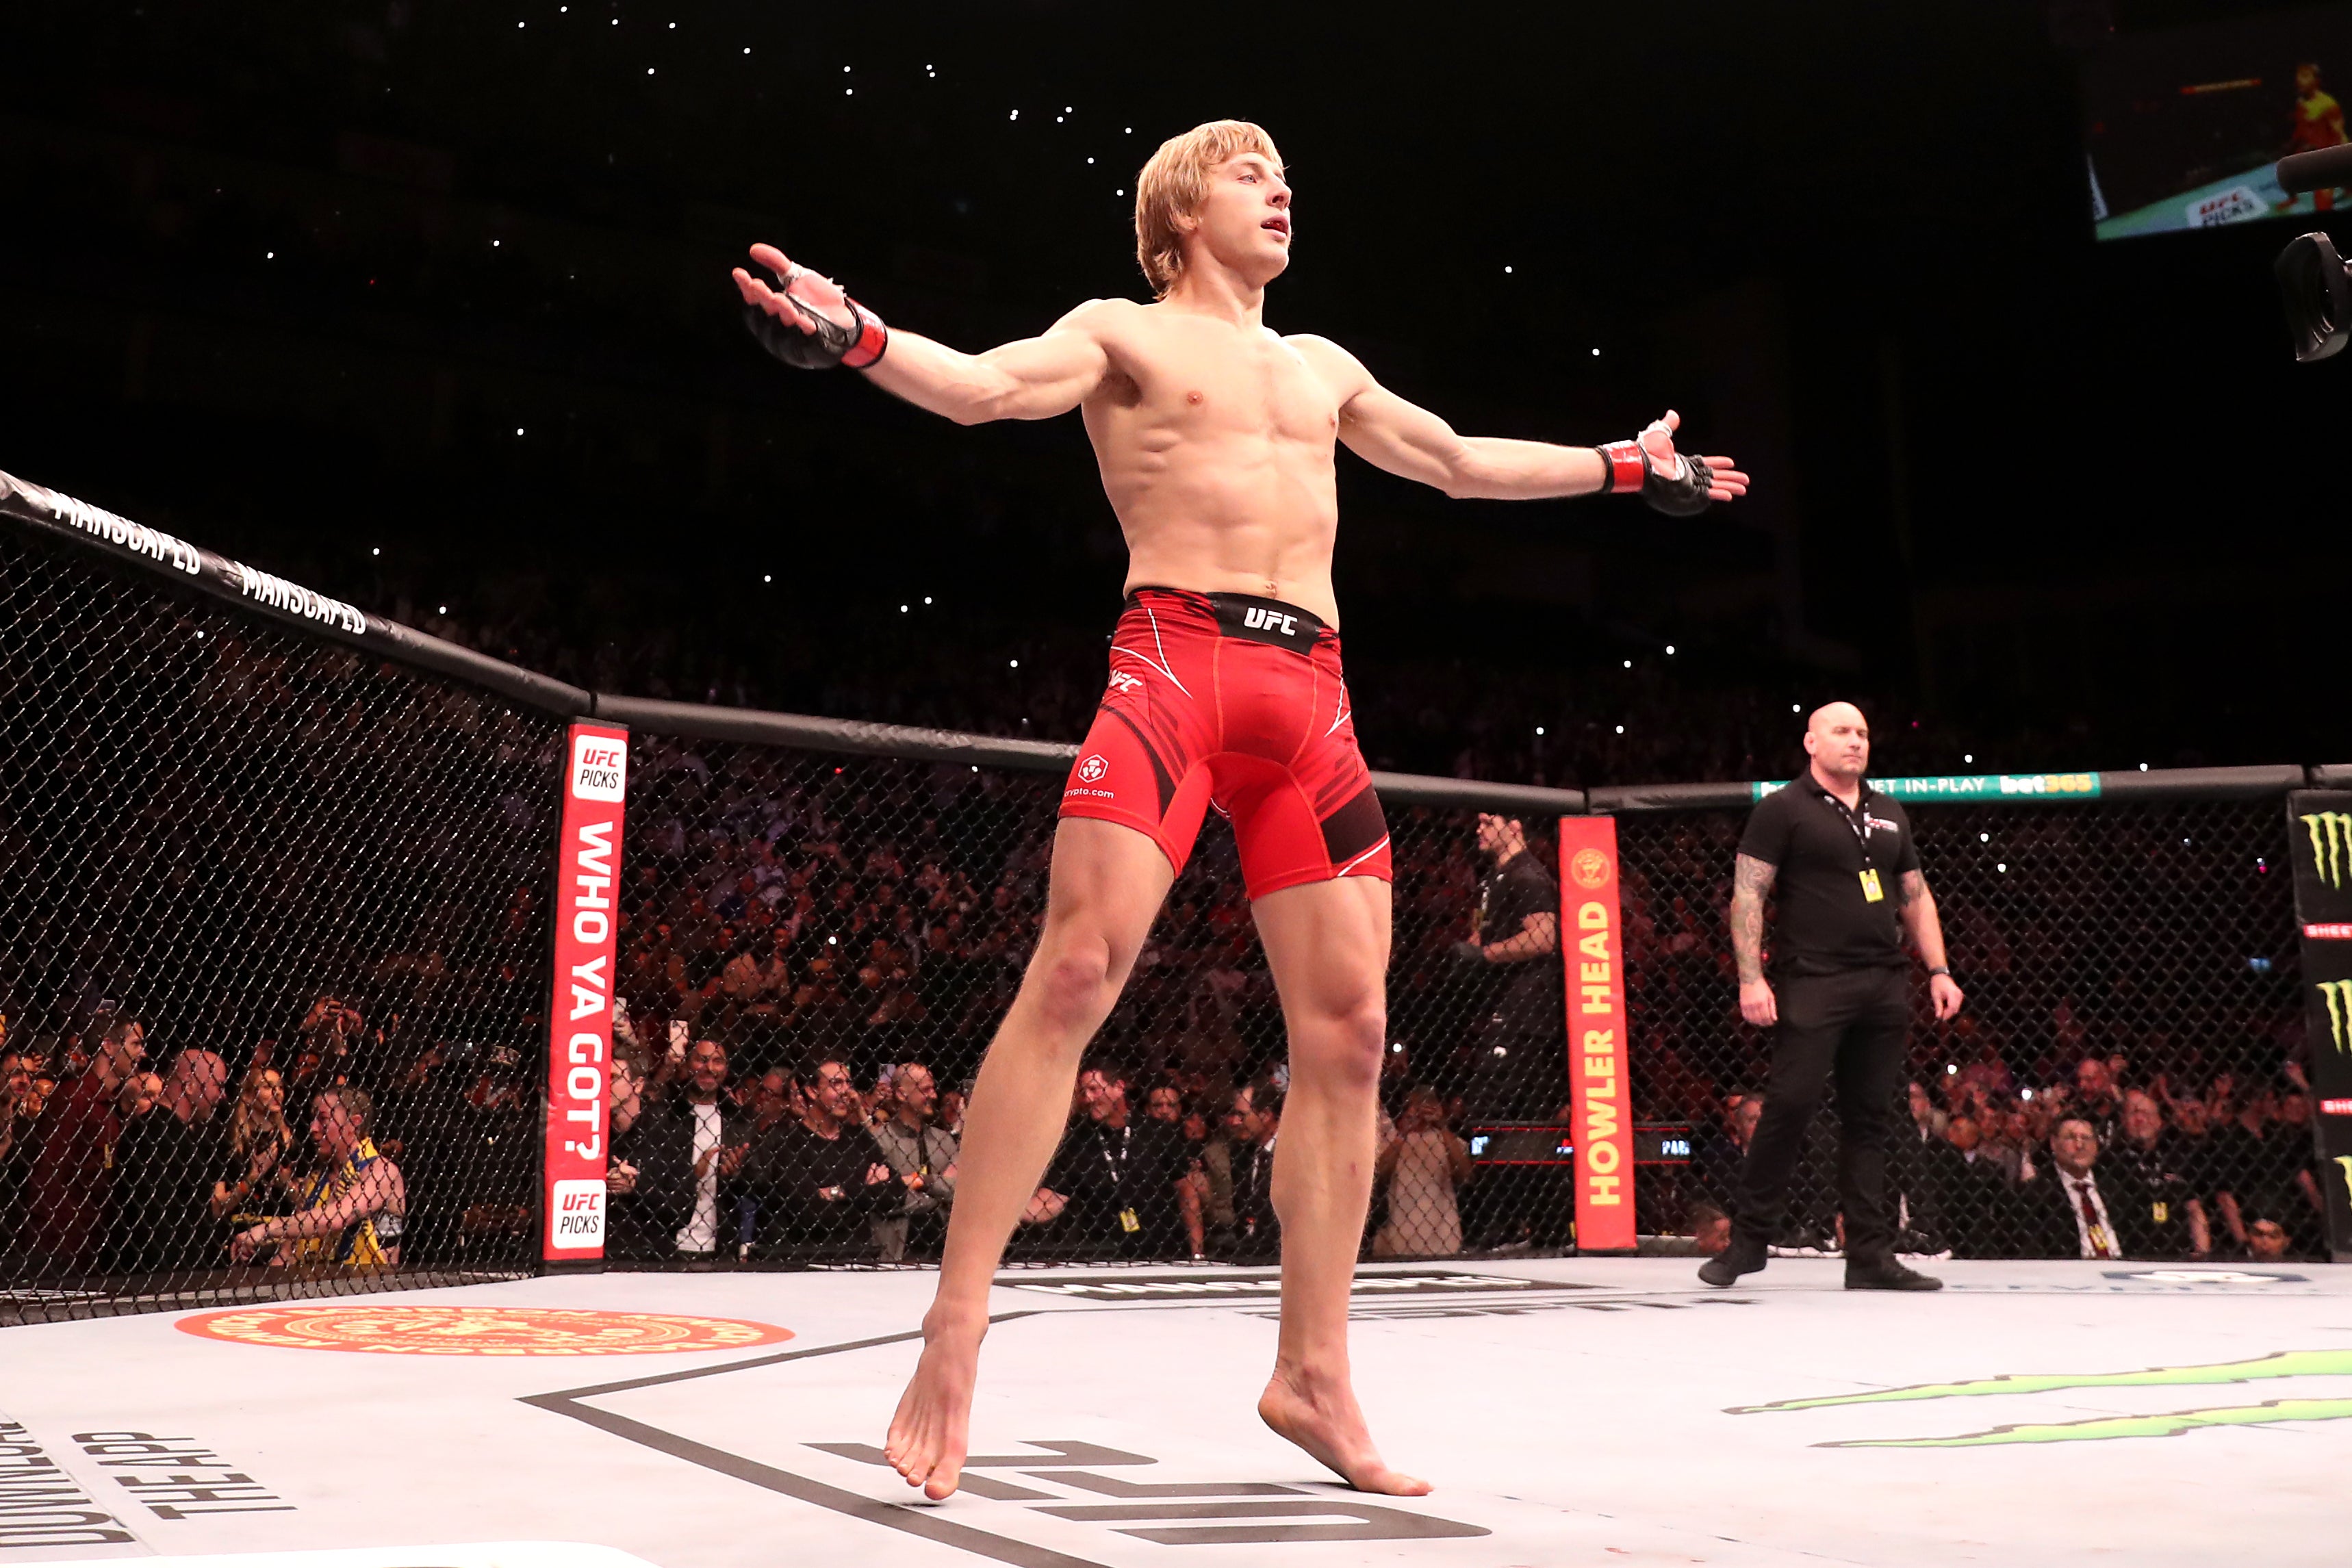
1628	466
873	337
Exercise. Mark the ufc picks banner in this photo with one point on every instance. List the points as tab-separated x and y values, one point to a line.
580	1010
2319	824
1592	946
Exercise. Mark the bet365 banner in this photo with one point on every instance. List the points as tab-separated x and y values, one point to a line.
1592	946
2319	824
580	1010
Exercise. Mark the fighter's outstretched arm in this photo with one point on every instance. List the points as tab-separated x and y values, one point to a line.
1392	433
1035	378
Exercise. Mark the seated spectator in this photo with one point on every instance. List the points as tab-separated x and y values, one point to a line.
1721	1154
630	1234
66	1200
166	1164
1165	1104
351	1212
1112	1185
1927	1118
2075	1209
2306	1219
1710	1228
2258	1157
1969	1186
485	1163
1216	1163
756	980
327	1046
2267	1237
2097	1101
922	1157
819	1178
2177	1218
772	1102
17	1109
138	1096
1253	1121
259	1142
691	1151
1422	1163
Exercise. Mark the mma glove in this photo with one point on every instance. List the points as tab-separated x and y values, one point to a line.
1680	492
1470	955
831	344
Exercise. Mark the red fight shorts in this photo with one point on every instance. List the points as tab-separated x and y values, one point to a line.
1229	700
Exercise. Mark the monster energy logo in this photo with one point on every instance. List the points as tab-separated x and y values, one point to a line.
2331	843
2284	1364
2338	994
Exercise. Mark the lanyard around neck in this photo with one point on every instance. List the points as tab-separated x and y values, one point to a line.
1862	829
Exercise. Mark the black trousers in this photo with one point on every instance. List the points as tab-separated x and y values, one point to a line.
1854	1024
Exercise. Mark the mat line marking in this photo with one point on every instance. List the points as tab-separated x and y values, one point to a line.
890	1515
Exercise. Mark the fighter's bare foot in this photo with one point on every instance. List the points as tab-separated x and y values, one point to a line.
1320	1415
930	1433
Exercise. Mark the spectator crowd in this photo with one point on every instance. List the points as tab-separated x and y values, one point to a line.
813	951
2100	1163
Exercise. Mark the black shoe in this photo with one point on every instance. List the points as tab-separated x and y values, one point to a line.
1886	1274
1742	1257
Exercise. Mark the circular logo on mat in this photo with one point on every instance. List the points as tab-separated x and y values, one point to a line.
398	1330
1093	768
1588	867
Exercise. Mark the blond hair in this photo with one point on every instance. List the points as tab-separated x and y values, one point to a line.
251	1125
1173	183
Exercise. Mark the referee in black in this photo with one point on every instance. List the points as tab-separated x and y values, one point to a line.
1850	888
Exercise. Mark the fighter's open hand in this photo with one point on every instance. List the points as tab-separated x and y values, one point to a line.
799	295
1658	439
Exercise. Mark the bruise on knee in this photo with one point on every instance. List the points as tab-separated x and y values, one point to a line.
1344	1046
1070	975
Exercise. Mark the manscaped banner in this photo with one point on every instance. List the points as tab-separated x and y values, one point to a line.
1592	946
2319	834
580	1010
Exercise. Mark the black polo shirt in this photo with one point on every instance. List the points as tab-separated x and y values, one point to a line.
1826	923
1103	1170
1508	897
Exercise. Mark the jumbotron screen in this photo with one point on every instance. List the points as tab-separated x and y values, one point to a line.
2187	125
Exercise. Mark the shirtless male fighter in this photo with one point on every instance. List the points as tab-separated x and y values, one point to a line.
1216	439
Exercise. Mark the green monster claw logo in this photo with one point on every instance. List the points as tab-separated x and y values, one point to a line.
2282	1363
2338	994
2331	841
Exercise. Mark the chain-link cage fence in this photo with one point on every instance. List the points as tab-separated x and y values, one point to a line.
272	951
820	946
274	960
2129	964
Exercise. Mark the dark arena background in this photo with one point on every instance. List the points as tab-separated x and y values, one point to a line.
476	733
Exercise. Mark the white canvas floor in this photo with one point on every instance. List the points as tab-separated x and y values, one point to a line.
1576	1411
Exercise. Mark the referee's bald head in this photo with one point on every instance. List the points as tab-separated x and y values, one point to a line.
1837	737
1830	717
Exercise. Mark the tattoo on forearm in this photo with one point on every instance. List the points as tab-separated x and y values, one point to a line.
1914	888
1751	879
